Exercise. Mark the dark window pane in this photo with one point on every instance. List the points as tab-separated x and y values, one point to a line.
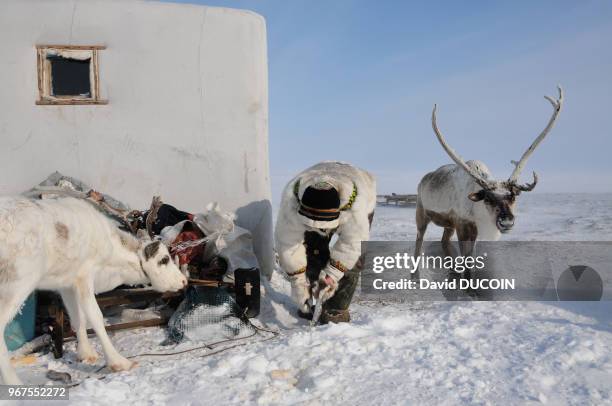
69	77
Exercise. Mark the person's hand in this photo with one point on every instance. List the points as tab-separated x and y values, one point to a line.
329	281
330	276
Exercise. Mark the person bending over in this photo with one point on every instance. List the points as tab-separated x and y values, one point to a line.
326	200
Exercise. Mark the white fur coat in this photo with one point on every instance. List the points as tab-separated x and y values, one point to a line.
354	225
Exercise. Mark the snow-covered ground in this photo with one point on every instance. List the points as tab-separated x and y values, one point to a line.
411	353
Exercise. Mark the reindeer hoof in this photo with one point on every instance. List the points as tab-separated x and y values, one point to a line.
124	365
88	357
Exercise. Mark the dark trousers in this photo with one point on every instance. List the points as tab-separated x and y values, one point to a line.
317	255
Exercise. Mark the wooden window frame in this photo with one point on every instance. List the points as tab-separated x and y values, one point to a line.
44	76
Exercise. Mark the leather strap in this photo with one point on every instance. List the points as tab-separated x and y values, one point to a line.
338	265
299	271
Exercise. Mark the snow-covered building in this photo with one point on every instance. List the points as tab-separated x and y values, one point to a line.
138	99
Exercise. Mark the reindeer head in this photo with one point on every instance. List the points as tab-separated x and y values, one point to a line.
499	205
499	197
157	265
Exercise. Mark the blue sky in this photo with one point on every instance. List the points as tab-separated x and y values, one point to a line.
356	81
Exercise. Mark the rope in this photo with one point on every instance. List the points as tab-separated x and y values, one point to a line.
211	346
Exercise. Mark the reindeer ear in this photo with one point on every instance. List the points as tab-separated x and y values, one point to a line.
477	196
151	250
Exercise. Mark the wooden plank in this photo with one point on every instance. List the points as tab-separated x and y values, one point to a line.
131	296
60	102
40	68
138	295
72	47
126	326
128	296
95	87
139	323
208	282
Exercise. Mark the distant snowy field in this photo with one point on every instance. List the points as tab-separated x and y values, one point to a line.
539	217
391	354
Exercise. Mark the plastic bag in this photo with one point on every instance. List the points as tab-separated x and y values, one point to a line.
229	241
223	238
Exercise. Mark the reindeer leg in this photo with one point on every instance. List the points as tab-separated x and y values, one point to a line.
85	351
12	297
422	221
87	299
446	245
467	234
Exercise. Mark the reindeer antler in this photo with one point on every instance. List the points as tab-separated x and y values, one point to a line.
527	187
152	215
486	184
518	166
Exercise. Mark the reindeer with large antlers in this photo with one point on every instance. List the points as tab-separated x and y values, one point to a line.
464	197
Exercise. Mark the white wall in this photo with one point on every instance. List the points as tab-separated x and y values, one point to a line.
187	116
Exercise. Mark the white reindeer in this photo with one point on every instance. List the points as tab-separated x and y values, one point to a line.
463	197
66	245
